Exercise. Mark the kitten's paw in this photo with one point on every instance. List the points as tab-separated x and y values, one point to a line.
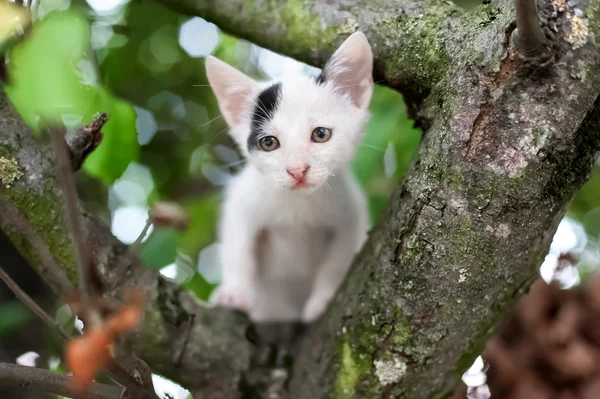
233	296
314	307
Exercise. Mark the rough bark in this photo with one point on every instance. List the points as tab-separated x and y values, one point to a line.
507	146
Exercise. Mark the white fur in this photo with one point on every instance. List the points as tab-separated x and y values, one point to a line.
312	234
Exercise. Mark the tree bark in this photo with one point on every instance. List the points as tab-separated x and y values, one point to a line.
507	145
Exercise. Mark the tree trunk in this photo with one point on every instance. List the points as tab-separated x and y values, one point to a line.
507	145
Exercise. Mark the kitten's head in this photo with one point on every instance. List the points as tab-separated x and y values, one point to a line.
300	130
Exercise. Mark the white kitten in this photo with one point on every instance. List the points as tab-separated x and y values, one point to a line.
294	218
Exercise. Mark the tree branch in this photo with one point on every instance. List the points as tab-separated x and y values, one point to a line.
72	214
504	154
217	352
47	381
44	260
411	39
31	304
85	139
530	38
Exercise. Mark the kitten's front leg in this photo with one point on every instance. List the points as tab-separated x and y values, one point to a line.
239	266
332	272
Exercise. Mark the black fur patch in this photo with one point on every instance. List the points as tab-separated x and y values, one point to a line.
266	105
321	79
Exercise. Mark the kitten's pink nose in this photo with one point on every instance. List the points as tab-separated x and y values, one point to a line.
298	173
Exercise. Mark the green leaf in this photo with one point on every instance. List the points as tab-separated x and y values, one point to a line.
45	77
119	146
160	248
203	213
13	315
53	79
199	286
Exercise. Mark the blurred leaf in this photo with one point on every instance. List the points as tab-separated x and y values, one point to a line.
199	286
202	214
591	222
388	124
53	79
13	19
13	315
160	249
588	197
45	78
119	146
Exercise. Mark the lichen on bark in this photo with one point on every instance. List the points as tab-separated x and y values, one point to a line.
9	171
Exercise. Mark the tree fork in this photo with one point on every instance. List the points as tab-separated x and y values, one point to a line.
506	150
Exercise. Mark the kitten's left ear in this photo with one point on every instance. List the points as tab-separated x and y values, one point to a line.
233	89
350	69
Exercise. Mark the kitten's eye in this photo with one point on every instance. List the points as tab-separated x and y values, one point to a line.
268	143
321	135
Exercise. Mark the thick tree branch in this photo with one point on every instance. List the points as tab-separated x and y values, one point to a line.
47	381
506	150
412	40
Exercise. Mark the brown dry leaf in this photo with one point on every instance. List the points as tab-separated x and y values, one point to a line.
87	355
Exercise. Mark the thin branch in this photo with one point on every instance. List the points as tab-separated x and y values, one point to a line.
31	304
48	381
530	40
186	339
147	389
71	206
115	370
142	235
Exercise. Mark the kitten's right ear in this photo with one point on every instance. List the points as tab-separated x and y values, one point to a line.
350	69
232	88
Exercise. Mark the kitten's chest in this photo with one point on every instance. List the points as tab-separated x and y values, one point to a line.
314	212
284	250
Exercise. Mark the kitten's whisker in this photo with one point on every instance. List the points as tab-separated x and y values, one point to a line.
328	188
218	134
372	147
211	121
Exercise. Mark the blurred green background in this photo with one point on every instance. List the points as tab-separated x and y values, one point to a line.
165	140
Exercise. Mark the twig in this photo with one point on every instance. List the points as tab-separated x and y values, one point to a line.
48	381
147	391
115	370
142	235
186	339
85	139
31	304
73	215
530	39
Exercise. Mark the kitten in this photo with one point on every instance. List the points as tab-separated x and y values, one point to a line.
293	220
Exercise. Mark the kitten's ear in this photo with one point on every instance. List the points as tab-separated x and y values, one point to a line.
232	88
350	69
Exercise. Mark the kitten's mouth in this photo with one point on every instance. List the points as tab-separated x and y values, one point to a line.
301	184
